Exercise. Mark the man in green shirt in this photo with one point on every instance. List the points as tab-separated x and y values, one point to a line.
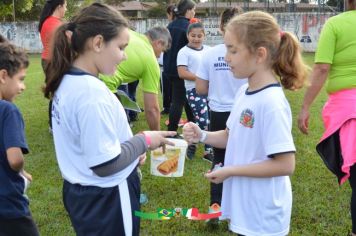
141	64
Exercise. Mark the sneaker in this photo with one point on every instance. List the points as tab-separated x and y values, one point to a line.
208	157
214	208
143	198
181	123
191	151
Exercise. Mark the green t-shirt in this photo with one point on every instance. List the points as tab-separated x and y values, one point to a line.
337	46
141	64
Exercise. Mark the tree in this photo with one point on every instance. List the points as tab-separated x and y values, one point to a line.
159	10
7	8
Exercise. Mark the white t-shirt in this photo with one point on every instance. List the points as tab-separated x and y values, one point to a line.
259	125
89	123
222	84
190	57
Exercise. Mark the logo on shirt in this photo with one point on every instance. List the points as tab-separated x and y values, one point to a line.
221	64
247	118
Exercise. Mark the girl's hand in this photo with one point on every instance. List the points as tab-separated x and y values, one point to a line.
142	159
191	133
158	138
217	176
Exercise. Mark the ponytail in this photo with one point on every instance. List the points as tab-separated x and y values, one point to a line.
63	57
289	65
259	29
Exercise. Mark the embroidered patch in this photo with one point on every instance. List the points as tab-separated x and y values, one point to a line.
247	118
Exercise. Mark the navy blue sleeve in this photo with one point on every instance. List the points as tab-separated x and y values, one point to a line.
14	134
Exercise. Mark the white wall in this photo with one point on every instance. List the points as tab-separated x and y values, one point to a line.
23	34
306	26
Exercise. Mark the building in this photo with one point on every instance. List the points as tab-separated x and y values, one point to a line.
139	10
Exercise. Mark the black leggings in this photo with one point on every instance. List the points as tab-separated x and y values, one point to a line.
217	122
179	100
352	180
166	87
44	64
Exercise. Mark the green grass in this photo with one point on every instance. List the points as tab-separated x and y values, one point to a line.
320	206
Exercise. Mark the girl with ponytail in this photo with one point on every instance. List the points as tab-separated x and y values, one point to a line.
95	149
260	152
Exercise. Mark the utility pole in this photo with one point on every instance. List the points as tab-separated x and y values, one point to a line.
13	10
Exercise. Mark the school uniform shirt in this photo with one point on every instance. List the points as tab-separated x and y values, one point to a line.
89	123
13	201
259	126
190	57
222	84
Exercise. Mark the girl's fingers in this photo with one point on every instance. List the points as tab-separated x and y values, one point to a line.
166	141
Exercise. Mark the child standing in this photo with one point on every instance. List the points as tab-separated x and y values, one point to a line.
188	60
257	195
216	80
15	215
95	149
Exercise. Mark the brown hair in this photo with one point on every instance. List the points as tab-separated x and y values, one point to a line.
12	58
259	29
183	6
96	19
227	14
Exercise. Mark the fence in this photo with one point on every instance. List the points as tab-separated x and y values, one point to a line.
306	26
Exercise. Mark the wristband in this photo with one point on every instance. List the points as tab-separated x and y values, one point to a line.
203	137
147	138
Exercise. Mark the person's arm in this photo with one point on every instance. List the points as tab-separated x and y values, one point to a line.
131	150
15	158
201	86
318	77
185	74
193	134
217	139
152	112
282	164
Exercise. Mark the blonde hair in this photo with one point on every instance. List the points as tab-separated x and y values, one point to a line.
259	29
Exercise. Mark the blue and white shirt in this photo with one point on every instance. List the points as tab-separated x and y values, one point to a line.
89	125
13	202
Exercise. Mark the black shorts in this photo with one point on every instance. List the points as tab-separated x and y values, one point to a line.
99	211
18	227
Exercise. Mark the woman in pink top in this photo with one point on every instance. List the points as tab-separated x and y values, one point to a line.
51	18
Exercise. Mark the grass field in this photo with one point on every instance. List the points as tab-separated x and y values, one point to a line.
320	206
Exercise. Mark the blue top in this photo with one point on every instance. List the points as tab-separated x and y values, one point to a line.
178	29
13	202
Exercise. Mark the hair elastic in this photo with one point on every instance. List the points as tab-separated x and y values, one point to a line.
281	33
194	20
71	26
